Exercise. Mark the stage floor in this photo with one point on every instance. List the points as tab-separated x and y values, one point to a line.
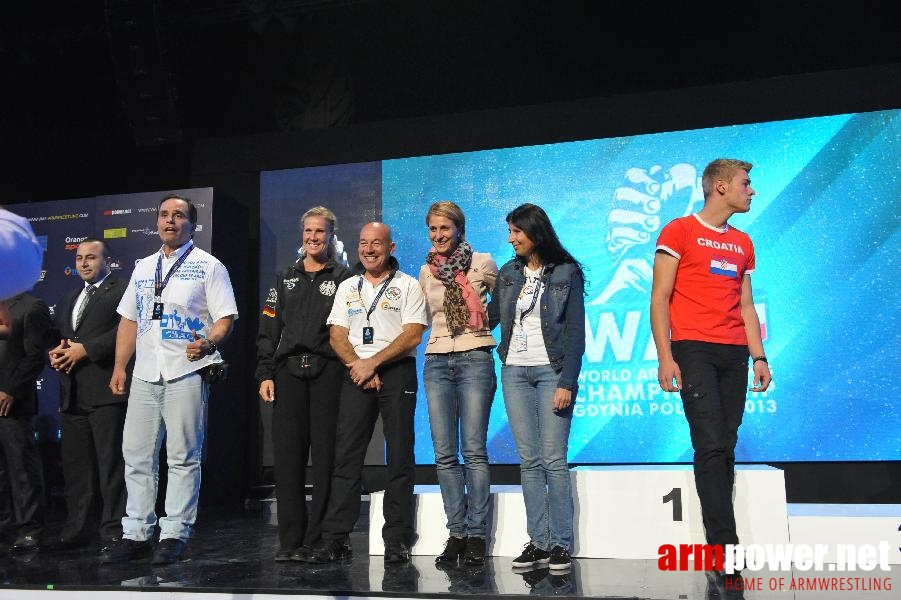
231	555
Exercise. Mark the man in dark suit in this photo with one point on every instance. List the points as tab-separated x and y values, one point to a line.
92	417
22	357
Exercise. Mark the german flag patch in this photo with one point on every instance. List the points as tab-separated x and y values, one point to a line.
269	312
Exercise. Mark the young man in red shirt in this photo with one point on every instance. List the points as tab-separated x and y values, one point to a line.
705	328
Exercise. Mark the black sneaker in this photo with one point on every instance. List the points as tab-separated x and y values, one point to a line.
168	550
301	554
328	551
725	585
475	552
454	548
124	550
531	557
396	553
559	558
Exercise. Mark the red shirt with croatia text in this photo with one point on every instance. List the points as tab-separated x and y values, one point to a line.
706	301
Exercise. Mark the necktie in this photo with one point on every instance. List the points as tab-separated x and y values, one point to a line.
88	292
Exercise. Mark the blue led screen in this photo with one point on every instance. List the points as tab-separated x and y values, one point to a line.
825	224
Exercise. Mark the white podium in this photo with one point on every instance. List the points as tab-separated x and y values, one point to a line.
630	511
843	524
620	512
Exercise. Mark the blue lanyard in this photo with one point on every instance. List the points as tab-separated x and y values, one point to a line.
159	284
377	296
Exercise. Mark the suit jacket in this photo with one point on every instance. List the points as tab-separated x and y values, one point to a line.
88	384
23	353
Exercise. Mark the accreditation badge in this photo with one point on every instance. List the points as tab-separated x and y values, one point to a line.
518	343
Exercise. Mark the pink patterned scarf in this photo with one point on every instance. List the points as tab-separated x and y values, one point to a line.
462	305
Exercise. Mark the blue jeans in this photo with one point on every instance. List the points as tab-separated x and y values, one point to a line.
460	388
542	439
175	410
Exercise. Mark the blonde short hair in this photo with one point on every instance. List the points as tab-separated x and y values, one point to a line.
329	216
449	210
722	169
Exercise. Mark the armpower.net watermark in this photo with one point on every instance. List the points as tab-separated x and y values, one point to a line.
773	558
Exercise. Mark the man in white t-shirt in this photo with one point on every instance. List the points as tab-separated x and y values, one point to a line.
376	323
178	308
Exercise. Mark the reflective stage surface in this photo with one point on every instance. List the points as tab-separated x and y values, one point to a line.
233	551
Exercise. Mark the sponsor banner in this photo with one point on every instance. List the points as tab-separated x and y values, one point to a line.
127	222
118	232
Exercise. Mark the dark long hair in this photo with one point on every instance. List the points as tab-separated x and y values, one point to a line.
534	222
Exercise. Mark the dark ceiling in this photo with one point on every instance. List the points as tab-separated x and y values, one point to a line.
104	97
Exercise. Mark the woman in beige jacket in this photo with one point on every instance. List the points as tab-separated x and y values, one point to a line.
459	376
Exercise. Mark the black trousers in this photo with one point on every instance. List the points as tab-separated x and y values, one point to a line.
94	470
714	388
304	420
357	414
21	480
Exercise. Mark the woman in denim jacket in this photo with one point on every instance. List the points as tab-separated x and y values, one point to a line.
459	376
539	303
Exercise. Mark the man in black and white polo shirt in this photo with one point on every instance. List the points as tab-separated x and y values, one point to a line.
376	323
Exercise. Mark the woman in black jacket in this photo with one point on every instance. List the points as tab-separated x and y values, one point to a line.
295	359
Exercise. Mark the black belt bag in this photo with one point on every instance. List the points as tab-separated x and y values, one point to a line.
305	366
